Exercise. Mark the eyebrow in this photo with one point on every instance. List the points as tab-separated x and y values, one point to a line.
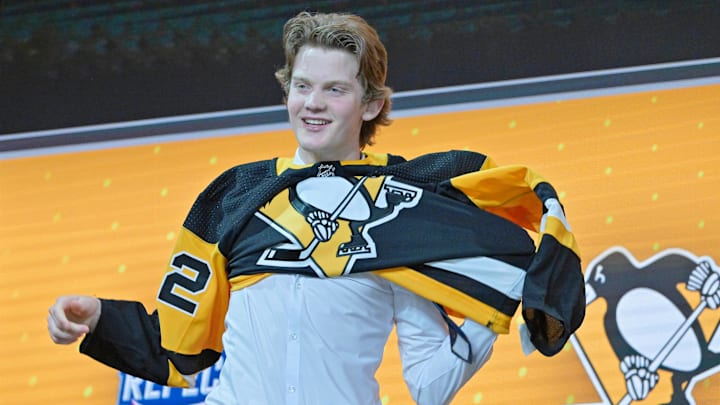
329	83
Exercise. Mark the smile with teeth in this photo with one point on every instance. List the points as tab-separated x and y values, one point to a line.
311	121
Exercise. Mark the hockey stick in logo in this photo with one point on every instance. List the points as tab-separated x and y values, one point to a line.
302	254
669	346
703	279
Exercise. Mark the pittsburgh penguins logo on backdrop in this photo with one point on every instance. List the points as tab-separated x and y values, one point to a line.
652	329
327	221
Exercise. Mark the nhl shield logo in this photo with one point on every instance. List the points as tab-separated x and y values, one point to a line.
652	329
328	219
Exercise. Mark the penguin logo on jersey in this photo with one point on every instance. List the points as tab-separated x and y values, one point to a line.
658	332
328	219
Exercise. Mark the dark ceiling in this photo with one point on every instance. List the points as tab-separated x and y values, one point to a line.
70	63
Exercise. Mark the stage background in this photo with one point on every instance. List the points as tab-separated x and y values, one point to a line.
91	199
639	170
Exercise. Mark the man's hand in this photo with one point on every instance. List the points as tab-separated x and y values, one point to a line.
72	316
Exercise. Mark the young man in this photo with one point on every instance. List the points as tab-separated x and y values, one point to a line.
299	268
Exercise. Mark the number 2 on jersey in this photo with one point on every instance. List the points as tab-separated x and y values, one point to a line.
180	279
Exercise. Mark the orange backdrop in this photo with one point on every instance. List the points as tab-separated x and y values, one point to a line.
639	170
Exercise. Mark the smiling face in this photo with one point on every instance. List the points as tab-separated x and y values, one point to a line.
325	104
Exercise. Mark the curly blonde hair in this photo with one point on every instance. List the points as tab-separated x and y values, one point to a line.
350	33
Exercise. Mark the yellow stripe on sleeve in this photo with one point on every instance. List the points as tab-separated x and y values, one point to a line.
449	297
200	324
555	227
176	379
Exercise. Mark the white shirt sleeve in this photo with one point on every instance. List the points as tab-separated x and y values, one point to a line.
432	372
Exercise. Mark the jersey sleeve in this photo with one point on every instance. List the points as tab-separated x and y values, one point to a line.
127	338
184	334
191	305
553	296
180	338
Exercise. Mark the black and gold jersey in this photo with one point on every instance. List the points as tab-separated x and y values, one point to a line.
448	226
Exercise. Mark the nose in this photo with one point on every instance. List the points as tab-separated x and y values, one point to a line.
314	101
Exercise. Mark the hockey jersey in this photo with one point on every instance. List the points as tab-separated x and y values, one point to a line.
449	226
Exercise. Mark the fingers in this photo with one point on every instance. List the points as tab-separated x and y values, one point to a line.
65	332
85	310
80	309
65	326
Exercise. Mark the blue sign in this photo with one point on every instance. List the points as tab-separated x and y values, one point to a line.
136	391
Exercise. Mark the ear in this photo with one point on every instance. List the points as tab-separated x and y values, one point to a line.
372	109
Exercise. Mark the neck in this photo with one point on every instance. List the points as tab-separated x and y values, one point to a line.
303	157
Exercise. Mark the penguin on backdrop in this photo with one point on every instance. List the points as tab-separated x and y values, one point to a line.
652	314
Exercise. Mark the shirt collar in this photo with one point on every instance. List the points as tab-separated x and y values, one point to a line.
298	160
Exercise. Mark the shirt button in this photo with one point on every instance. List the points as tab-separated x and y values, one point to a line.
298	285
293	336
291	388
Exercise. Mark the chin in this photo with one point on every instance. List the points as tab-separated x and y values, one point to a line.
312	143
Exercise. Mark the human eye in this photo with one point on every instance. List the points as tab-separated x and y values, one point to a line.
299	85
337	90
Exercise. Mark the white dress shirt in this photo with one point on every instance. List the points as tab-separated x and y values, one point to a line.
298	340
293	339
